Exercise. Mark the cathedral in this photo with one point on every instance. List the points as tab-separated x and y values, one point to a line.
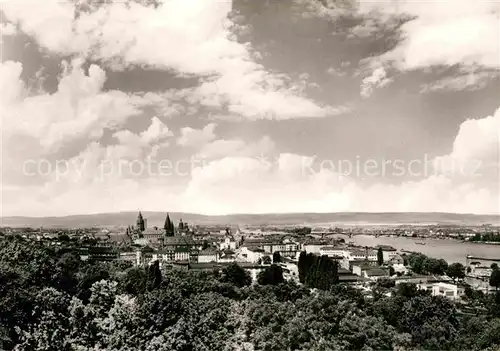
157	236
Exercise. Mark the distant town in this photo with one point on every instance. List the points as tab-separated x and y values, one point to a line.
189	246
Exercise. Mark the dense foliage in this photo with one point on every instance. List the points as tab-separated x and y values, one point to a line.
486	237
50	300
422	264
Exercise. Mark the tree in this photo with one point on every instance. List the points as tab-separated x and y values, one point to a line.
495	278
236	275
456	271
154	275
380	256
276	257
272	275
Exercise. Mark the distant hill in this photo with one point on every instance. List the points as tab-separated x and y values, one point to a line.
345	218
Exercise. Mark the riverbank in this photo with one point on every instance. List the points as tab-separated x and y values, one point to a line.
448	249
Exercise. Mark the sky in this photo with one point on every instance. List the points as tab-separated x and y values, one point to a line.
262	106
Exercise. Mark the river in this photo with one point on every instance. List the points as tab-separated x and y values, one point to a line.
448	249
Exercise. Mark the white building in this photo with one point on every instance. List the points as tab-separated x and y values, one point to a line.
333	251
228	244
449	290
208	255
359	254
388	252
253	254
313	247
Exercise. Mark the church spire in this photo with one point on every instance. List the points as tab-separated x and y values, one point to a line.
169	226
140	222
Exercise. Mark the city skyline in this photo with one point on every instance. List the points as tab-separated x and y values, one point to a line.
267	97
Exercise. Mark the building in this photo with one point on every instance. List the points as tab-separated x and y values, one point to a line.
388	252
290	269
334	251
449	290
363	254
313	246
130	256
482	261
227	256
153	235
98	253
208	255
253	254
229	243
367	270
173	242
376	273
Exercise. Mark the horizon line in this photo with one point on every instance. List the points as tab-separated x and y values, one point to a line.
253	214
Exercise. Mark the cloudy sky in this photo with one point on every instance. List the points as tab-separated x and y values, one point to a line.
215	107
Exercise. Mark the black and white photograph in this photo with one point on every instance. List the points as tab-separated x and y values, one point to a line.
249	175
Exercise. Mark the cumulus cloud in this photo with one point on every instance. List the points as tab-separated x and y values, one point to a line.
237	147
290	183
441	33
191	137
444	32
124	34
7	29
475	149
296	183
378	79
80	109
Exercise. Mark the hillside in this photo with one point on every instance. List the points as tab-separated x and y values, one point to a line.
346	218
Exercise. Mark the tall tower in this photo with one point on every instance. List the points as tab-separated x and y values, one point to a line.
140	223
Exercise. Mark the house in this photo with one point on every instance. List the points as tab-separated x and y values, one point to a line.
313	246
227	256
388	252
368	254
130	256
397	263
376	273
178	254
153	235
172	242
98	253
358	267
346	276
229	243
253	254
334	251
290	269
449	290
208	255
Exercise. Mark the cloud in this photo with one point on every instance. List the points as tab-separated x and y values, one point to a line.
7	29
297	183
378	79
187	30
440	33
444	33
464	81
246	184
476	149
79	109
237	147
191	137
